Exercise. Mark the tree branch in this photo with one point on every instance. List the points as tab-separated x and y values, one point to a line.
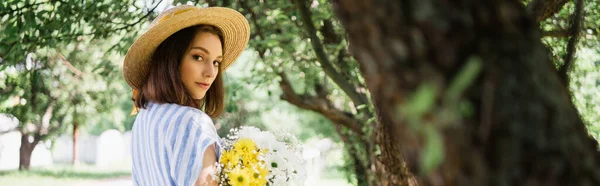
76	71
141	18
542	9
320	105
7	52
45	123
254	17
567	33
257	27
555	33
338	78
126	26
359	165
571	46
9	131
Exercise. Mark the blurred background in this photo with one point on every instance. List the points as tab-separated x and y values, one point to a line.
64	106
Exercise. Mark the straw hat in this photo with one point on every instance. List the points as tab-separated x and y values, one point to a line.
232	24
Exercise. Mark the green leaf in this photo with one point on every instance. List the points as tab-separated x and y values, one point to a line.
30	18
3	49
464	79
433	151
98	67
466	108
421	102
371	119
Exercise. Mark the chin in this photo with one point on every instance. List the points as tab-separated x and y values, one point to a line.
199	96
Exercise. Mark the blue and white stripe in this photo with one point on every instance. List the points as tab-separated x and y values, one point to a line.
168	142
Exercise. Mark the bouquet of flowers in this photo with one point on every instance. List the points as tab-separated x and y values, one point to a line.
252	157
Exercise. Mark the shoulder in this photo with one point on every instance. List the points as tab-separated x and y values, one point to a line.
199	120
183	116
198	116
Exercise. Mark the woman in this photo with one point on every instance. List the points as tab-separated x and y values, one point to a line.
175	71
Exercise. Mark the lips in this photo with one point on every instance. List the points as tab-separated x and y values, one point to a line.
203	85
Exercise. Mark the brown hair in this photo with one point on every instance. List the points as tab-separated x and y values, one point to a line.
164	84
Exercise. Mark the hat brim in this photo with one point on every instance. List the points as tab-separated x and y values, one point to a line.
233	25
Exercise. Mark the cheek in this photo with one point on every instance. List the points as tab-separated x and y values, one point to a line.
214	77
186	70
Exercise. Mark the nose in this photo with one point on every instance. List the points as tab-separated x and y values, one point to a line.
209	70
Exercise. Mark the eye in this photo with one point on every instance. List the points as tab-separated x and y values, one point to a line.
198	57
216	63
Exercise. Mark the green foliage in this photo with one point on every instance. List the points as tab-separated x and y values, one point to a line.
433	151
585	87
282	45
420	104
60	62
464	79
27	26
286	47
69	84
259	105
583	75
242	106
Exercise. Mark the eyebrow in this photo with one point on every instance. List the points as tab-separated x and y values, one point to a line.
204	49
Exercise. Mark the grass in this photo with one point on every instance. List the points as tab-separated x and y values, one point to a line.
61	175
66	175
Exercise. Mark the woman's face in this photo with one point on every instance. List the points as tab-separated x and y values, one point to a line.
200	64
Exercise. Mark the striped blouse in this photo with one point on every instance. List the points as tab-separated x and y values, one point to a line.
168	142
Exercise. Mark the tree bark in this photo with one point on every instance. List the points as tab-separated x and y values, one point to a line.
26	150
391	168
569	58
361	172
75	136
350	90
473	79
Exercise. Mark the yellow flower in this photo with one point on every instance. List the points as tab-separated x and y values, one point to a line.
250	159
240	177
260	176
263	172
247	150
244	145
229	159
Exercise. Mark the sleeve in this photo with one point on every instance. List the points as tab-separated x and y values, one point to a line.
190	145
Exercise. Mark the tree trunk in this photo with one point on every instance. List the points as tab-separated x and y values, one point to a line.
467	94
390	166
362	177
75	131
359	169
26	150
